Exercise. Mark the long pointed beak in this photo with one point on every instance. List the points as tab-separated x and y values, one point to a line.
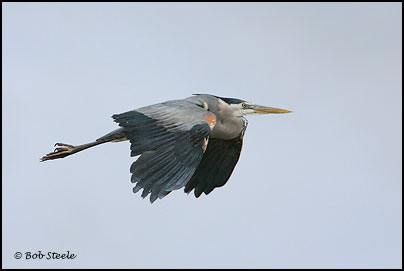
259	109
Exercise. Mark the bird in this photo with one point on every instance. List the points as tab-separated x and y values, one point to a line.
192	143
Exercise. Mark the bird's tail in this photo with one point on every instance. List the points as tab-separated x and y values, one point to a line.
64	150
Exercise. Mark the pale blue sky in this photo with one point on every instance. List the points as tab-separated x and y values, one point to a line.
319	188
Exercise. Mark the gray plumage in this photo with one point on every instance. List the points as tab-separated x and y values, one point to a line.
193	143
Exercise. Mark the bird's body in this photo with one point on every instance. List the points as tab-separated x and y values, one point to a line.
193	143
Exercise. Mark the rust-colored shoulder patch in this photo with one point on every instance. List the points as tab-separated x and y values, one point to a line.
211	120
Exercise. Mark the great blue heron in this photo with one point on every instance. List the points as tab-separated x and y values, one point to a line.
193	142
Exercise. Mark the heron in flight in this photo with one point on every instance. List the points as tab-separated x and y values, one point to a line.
193	143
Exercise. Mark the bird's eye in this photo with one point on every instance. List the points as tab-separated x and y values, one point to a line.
244	105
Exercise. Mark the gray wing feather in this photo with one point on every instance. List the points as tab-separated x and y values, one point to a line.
169	137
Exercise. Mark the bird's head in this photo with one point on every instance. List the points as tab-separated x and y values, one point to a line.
243	108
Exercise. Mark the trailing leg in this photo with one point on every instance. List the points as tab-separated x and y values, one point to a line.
64	150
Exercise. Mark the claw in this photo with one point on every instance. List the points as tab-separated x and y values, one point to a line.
64	150
64	145
59	152
60	149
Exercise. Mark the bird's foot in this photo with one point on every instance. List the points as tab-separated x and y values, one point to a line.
59	152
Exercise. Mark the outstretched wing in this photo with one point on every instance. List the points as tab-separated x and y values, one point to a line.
217	165
171	138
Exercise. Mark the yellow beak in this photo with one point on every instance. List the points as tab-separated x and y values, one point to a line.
259	109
